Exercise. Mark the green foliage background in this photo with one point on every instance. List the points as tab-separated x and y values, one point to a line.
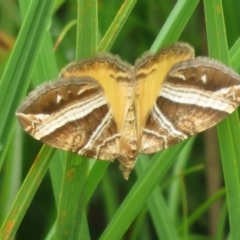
180	193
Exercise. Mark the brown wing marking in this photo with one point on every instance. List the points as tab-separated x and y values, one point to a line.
115	77
67	115
151	71
196	95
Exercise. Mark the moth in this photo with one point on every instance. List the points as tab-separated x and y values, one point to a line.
107	109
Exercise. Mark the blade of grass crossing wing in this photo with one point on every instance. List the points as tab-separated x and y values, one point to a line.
228	130
72	202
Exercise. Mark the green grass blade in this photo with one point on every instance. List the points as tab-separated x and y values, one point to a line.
56	169
228	130
175	187
64	32
87	29
26	194
163	219
202	209
230	10
130	208
138	195
95	175
216	32
11	177
109	196
175	23
100	167
71	205
44	69
16	77
72	202
222	222
159	210
234	54
116	25
84	231
137	230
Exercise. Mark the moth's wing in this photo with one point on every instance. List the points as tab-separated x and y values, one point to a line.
196	95
117	79
71	115
114	75
150	71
